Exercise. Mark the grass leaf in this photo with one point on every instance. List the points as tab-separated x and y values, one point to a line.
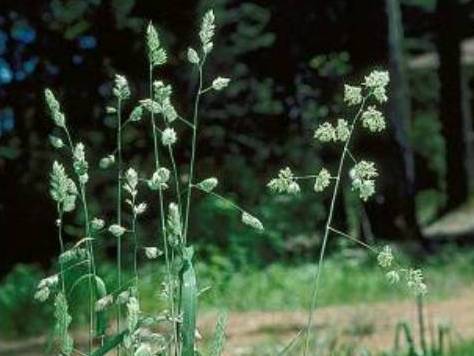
189	305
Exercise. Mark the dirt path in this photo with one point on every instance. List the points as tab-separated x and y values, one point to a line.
371	326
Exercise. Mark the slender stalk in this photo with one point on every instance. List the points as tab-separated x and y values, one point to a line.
156	154
135	241
354	240
61	245
176	178
193	149
327	229
228	201
90	248
185	121
135	246
119	207
421	324
91	265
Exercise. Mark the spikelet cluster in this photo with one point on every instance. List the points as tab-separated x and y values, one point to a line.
131	182
152	252
107	161
168	137
162	96
45	286
54	109
173	225
56	142
63	320
373	120
220	83
352	95
121	89
252	221
208	184
363	175
413	278
97	224
156	54
136	114
159	179
73	254
322	181
117	230
284	183
206	33
80	164
376	82
63	190
104	302
329	133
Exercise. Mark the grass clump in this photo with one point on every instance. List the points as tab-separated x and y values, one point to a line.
362	103
120	298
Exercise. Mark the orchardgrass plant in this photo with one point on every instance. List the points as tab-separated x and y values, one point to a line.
134	333
362	101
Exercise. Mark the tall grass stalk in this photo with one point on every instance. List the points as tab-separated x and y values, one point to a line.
328	225
90	248
119	207
180	281
193	147
362	176
156	155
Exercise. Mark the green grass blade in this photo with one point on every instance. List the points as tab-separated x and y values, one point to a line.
101	316
189	305
110	344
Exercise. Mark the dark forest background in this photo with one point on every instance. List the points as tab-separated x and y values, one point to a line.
288	61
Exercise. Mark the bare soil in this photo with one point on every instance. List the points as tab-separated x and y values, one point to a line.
371	326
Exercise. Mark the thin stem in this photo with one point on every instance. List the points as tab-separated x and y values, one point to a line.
421	324
176	177
161	203
69	140
186	121
193	150
354	240
204	91
218	196
90	248
351	156
306	177
125	123
119	206
312	308
135	245
91	265
61	245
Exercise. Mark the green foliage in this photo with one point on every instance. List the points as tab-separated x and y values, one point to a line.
354	279
17	304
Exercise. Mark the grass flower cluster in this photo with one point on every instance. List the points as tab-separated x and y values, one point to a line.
362	101
134	333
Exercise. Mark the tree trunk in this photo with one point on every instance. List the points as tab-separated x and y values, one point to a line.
451	108
399	116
